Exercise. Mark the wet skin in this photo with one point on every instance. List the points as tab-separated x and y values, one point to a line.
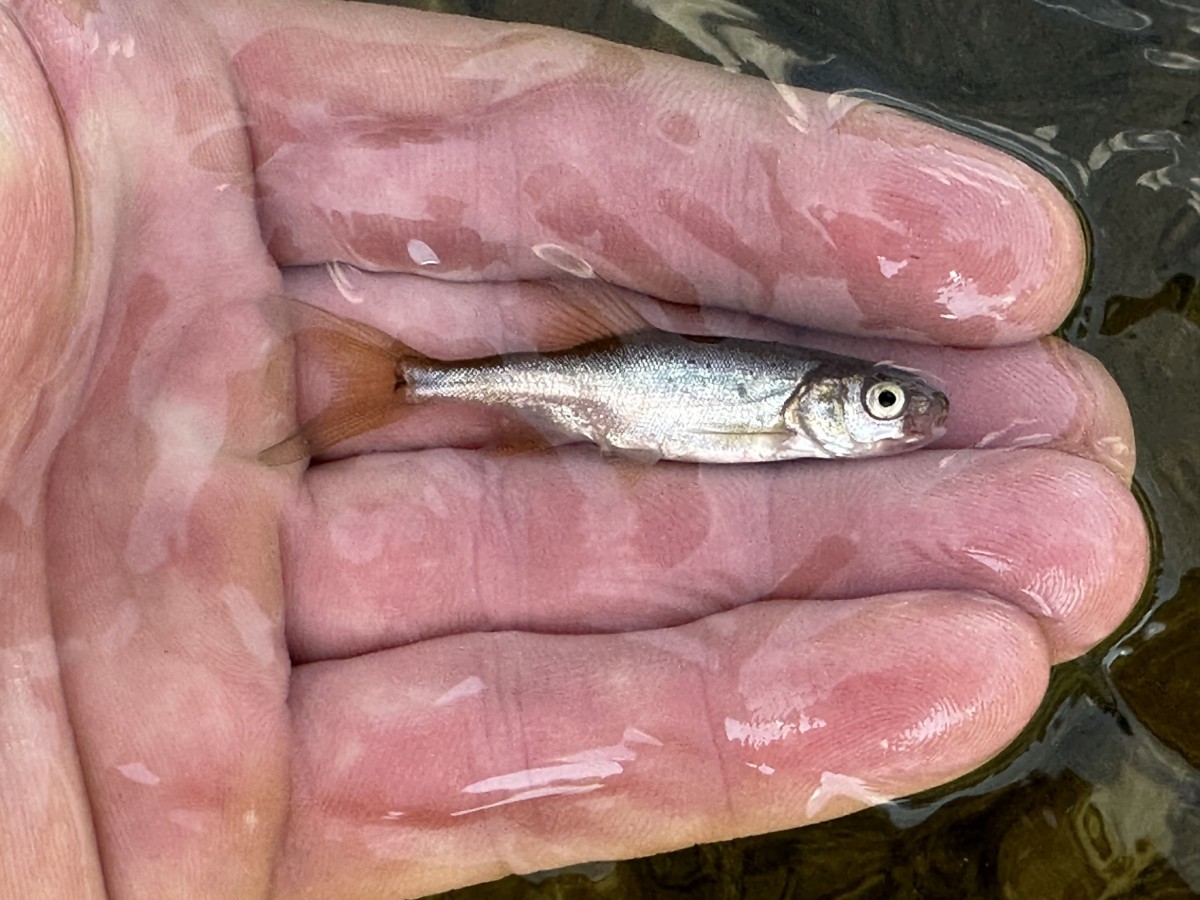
408	670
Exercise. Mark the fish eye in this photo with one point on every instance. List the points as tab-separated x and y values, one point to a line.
885	400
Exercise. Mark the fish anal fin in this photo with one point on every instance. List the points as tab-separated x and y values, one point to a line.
517	435
631	456
632	466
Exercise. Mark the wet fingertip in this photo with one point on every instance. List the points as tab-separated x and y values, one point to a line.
969	672
1102	427
1014	680
1050	232
1069	243
1113	570
1094	553
1067	544
989	250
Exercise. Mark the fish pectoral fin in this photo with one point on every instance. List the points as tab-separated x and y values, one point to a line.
742	432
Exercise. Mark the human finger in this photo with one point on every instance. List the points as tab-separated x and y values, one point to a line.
397	548
461	760
470	150
161	574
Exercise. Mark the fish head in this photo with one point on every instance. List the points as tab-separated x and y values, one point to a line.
850	410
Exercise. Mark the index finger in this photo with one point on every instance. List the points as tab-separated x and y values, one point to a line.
471	150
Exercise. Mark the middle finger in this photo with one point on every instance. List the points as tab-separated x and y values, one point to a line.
1040	394
395	548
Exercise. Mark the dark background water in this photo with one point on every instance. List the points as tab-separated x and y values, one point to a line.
1100	796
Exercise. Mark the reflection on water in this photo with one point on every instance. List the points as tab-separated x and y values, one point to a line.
1179	172
1101	795
1109	13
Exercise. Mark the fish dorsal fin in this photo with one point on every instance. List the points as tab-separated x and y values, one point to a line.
575	319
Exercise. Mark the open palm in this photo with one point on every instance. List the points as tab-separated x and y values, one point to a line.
421	666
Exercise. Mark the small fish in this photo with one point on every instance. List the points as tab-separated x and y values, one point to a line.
649	395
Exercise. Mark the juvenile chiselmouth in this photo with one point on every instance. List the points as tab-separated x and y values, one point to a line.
646	393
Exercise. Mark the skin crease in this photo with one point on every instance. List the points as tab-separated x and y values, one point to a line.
414	670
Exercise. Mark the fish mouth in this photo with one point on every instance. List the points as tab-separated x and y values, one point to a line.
926	418
934	409
942	402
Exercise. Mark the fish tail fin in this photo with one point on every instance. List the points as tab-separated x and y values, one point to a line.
364	368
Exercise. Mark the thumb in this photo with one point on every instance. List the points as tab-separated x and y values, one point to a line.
38	315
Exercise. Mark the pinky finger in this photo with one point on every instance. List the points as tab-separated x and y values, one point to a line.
464	759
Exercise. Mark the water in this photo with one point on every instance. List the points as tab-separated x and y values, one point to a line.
1100	796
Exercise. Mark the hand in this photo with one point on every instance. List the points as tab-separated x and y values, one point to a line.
408	671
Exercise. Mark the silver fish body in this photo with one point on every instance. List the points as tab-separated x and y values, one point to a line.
714	400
